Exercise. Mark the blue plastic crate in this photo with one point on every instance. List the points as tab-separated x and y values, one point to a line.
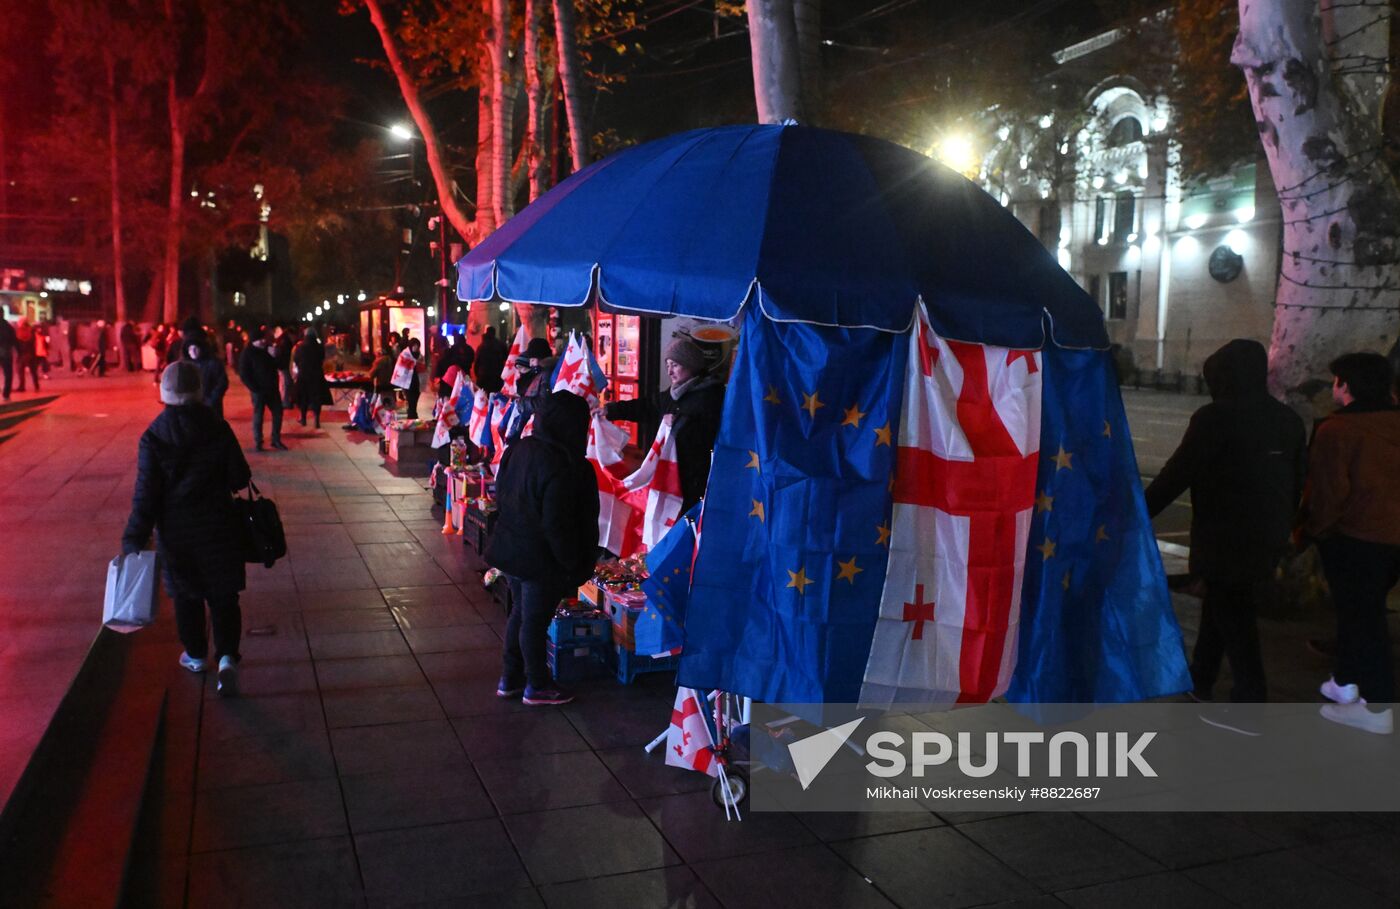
566	631
630	665
576	663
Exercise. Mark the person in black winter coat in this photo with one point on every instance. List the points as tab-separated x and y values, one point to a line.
460	355
8	344
415	385
1243	458
188	464
193	345
311	391
490	360
697	402
535	369
546	538
258	370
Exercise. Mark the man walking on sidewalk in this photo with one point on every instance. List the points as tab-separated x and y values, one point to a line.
7	354
1242	458
1352	510
258	370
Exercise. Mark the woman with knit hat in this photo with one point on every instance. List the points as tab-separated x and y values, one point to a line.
696	398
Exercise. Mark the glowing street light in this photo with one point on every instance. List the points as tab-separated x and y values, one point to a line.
956	152
401	131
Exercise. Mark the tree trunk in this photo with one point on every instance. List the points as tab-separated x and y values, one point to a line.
432	146
1339	287
503	94
174	222
535	96
570	78
777	80
807	15
485	164
118	272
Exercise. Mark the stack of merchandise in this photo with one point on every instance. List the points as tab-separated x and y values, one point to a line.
407	443
616	588
580	642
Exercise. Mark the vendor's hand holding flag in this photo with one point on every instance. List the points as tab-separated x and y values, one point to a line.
510	374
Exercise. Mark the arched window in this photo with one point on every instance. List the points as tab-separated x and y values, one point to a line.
1124	132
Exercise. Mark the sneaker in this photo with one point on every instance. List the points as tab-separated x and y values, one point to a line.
1359	716
1340	694
279	446
504	689
228	677
258	446
545	697
192	664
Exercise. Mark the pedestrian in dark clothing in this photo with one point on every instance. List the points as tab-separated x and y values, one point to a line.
1352	510
696	401
131	346
490	360
545	540
102	339
311	390
1242	458
258	370
72	345
193	345
458	354
381	373
415	387
24	352
282	352
534	368
7	354
188	464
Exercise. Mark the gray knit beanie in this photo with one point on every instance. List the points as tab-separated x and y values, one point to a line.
688	354
180	384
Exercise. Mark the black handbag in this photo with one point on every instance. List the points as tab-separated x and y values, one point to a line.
263	537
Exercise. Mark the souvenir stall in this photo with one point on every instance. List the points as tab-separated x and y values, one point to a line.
386	314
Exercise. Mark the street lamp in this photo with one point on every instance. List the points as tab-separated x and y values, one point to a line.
401	131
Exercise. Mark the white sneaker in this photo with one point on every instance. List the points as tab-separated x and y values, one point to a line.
1359	716
1340	694
190	663
228	677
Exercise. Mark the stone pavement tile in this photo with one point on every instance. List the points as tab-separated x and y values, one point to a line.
262	679
537	782
378	706
1166	890
266	759
463	665
367	597
434	595
365	514
462	697
368	672
675	887
1180	840
646	775
1058	851
610	723
804	876
379	532
399	574
226	719
1296	829
452	637
392	799
520	898
1372	861
273	637
697	828
436	615
314	574
1279	880
271	601
278	578
457	570
442	862
529	732
830	826
346	644
292	875
902	866
575	843
322	621
400	747
274	813
392	554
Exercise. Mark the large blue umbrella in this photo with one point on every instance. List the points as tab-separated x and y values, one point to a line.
812	225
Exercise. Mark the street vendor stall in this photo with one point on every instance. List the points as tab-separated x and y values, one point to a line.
386	314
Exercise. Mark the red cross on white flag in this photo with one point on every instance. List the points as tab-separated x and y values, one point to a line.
688	739
964	493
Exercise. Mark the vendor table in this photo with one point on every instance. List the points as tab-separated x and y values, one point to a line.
343	389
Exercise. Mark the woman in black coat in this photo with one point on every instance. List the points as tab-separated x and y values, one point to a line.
546	538
312	392
188	465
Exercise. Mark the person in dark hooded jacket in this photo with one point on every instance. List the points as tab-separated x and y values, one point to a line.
490	360
257	368
188	466
194	346
1243	458
536	369
459	354
546	538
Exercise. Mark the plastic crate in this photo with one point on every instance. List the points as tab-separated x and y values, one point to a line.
576	663
579	631
630	665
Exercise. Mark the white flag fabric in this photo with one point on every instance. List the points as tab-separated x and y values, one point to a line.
449	414
404	367
964	495
654	488
579	372
510	375
688	742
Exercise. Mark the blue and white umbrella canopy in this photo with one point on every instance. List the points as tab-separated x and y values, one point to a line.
813	225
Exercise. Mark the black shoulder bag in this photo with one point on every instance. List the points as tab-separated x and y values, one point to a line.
263	538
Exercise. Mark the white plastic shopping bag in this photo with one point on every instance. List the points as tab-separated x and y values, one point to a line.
403	371
130	602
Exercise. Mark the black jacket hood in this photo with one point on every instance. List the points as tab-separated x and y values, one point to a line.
562	420
1240	369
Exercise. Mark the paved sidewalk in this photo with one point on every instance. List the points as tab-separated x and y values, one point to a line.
368	761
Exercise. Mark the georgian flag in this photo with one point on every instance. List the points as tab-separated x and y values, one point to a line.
963	498
617	531
579	372
688	742
509	374
478	429
450	413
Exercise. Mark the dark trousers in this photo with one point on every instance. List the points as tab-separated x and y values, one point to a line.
224	615
532	609
272	403
315	411
1360	574
7	369
412	397
28	363
1229	629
